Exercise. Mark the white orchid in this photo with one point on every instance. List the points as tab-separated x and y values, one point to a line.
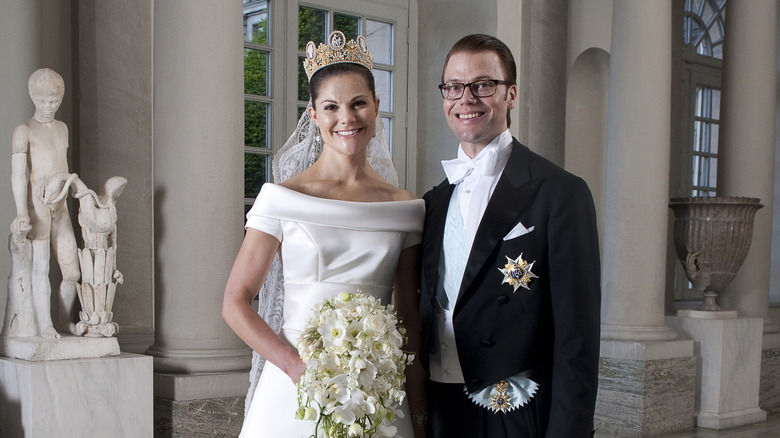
353	383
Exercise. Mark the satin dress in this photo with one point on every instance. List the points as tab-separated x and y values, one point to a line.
327	247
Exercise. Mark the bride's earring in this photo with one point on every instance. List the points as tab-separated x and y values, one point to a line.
317	137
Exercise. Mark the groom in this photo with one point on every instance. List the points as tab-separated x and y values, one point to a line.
510	278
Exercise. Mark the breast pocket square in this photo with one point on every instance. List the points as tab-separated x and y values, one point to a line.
518	231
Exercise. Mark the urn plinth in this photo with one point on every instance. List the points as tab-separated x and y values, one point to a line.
712	236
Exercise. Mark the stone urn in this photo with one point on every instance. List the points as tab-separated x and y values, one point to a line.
712	236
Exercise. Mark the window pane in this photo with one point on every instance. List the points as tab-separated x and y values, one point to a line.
716	32
715	104
303	82
384	89
717	52
348	25
706	102
256	124
696	6
704	48
714	137
380	40
256	172
707	14
713	173
312	25
704	171
256	22
387	124
255	72
699	107
705	137
699	169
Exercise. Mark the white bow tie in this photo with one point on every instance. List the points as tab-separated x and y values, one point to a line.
459	168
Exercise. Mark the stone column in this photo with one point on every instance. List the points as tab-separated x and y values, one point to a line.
546	72
747	142
198	193
115	110
638	348
637	186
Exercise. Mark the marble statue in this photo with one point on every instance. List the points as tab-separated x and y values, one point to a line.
99	275
39	150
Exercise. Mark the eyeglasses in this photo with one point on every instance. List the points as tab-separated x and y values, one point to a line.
481	88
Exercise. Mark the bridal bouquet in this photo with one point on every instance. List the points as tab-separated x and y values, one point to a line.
353	383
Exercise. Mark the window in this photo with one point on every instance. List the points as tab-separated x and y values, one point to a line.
315	24
257	98
703	30
273	52
703	26
706	119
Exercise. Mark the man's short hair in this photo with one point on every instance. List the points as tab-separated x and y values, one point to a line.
479	42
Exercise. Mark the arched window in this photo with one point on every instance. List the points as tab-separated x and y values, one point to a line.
696	113
703	30
703	26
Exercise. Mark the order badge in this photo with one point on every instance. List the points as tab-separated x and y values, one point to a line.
517	272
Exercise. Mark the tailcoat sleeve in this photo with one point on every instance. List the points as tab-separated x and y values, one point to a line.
575	294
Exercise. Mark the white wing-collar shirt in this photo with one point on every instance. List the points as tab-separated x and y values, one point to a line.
476	179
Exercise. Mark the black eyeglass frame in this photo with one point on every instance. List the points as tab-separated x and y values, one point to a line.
470	86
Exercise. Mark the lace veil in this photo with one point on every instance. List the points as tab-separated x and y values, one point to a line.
300	151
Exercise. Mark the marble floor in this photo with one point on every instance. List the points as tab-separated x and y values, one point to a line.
768	429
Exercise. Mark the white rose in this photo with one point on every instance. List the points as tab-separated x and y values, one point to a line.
374	326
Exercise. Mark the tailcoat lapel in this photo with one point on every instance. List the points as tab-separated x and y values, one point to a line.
513	193
435	219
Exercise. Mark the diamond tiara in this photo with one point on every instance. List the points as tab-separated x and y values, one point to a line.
336	51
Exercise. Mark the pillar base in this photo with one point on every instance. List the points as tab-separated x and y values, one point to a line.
727	420
206	418
646	388
769	395
199	405
730	361
78	397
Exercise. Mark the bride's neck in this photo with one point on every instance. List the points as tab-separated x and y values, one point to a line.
344	169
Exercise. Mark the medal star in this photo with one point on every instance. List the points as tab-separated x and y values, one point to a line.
500	401
517	272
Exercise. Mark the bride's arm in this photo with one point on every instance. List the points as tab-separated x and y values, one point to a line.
249	271
407	304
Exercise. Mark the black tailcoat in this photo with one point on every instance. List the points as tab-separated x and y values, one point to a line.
553	328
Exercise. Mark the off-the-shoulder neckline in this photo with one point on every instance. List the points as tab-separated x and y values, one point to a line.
335	200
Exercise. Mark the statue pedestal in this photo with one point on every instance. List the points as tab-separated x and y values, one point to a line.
111	397
730	368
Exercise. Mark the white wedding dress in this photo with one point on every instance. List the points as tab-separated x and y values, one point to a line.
327	247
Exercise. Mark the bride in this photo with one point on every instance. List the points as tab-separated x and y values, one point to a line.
336	223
